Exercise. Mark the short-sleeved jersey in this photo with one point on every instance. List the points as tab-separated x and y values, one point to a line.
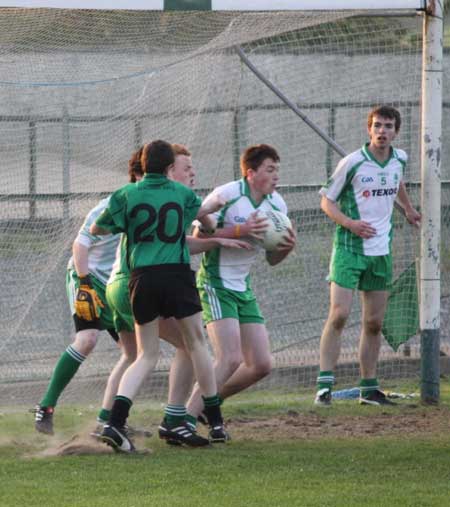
102	249
154	214
229	268
366	190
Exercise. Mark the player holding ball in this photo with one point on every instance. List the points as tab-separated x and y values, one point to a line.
234	321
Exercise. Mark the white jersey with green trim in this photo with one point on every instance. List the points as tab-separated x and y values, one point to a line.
366	190
229	267
102	249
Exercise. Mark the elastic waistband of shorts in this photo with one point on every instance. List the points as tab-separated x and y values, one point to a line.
162	268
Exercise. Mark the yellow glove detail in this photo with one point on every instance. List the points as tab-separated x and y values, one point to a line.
87	302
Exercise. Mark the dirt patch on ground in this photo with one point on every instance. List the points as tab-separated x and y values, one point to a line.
82	444
410	421
78	445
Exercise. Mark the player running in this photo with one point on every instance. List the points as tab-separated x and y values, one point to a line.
234	321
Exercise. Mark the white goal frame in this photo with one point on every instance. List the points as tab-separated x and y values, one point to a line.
221	5
432	12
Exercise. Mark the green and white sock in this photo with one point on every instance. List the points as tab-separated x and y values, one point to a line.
103	416
191	421
325	380
64	371
212	401
367	386
175	414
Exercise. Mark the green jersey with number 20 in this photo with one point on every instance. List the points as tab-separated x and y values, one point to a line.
154	214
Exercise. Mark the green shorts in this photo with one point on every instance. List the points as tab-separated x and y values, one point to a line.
220	304
73	282
362	272
118	298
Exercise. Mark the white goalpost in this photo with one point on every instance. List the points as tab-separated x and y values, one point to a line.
431	149
81	87
219	5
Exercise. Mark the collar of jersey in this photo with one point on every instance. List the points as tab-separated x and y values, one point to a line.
245	190
154	178
369	156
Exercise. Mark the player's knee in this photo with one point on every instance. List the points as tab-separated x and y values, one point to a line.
262	368
372	326
231	363
338	318
85	342
146	360
128	357
193	341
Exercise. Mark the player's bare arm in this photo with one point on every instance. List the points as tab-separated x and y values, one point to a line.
359	227
254	227
87	302
80	258
206	212
210	206
283	249
200	245
411	214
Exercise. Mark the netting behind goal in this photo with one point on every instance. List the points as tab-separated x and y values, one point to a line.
81	90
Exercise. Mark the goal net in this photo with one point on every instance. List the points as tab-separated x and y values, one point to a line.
81	90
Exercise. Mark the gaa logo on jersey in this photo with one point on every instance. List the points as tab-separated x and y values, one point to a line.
366	193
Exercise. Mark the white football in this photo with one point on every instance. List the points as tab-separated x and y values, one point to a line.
278	225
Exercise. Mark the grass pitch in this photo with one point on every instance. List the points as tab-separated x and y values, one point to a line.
283	453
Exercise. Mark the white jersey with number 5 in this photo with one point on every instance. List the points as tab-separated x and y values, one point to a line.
366	190
229	267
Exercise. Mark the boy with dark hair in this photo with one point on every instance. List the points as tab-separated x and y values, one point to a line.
365	184
234	321
181	376
155	214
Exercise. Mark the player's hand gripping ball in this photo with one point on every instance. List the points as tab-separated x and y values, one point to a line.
278	225
87	302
